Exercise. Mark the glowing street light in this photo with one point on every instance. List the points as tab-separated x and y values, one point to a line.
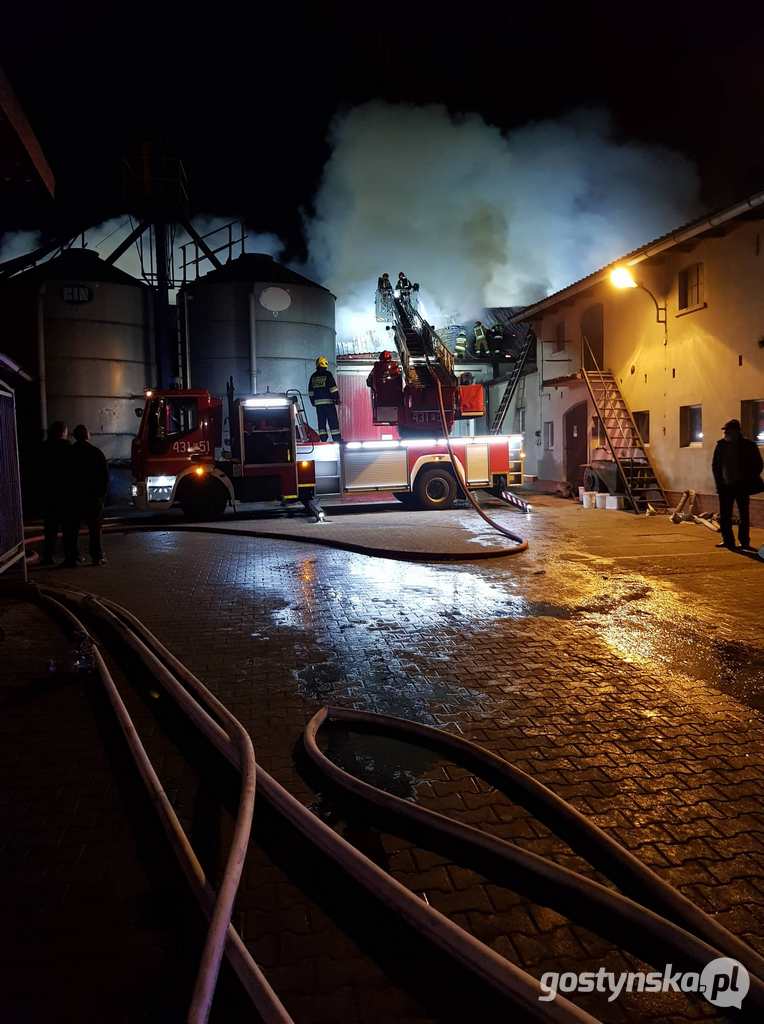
622	278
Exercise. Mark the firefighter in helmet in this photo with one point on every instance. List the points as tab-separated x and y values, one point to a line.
403	286
481	341
461	345
324	395
383	283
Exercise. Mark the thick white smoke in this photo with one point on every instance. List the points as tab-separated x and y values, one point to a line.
480	218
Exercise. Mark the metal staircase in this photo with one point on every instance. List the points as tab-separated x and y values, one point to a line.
624	441
515	375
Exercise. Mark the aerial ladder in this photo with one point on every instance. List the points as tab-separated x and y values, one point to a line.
405	393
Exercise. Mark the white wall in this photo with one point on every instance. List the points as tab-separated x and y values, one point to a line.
700	364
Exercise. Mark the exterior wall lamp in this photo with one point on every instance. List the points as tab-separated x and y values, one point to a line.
622	277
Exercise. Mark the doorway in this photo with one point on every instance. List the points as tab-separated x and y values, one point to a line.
576	444
593	338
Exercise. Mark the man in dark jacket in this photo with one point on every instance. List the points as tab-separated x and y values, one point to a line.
54	486
88	484
737	466
325	396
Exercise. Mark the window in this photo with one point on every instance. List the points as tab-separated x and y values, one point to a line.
642	423
549	436
691	287
171	417
559	337
690	426
752	419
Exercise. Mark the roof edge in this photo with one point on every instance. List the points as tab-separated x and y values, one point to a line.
638	256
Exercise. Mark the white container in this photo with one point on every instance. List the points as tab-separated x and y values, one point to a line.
588	499
614	501
601	500
581	491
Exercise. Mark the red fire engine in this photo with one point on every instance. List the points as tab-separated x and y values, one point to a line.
184	455
181	457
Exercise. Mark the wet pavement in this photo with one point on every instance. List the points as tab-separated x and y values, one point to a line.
620	661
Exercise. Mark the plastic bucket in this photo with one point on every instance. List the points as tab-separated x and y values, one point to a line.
588	499
614	501
601	500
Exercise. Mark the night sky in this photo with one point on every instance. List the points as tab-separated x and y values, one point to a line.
245	99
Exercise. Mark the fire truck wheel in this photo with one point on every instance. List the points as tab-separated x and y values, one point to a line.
208	502
435	488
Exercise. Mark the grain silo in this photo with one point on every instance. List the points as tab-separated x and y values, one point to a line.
82	328
257	321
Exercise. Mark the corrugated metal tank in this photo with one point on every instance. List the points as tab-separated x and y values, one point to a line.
253	302
89	322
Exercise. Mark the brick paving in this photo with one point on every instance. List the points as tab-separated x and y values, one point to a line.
575	666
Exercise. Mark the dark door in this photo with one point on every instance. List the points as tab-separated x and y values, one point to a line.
576	448
593	338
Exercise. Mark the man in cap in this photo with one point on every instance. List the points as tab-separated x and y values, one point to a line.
736	466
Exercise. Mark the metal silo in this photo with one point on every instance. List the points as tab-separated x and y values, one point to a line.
257	321
83	328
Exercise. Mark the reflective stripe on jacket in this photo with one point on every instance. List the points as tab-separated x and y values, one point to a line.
322	389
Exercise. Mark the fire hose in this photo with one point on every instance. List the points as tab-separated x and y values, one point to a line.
681	930
520	544
685	932
519	987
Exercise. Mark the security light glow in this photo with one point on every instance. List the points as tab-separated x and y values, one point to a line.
269	402
621	277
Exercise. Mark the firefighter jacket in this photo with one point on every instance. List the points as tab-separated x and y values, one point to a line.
322	389
479	333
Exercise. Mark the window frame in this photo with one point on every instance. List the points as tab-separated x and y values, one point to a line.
752	419
686	432
548	435
685	288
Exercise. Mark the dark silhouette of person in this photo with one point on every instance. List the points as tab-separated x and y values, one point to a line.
54	486
88	484
736	466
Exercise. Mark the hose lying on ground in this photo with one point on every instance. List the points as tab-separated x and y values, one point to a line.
519	987
685	933
520	543
218	907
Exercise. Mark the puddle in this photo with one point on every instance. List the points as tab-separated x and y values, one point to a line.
385	762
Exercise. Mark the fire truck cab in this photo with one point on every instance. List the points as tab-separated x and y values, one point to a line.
187	453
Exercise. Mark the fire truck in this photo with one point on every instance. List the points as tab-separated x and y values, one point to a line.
188	453
181	457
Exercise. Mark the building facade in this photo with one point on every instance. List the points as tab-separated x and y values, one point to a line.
686	348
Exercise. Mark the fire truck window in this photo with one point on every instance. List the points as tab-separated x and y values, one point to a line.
173	417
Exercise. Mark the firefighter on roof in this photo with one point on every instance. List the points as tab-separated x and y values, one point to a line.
461	345
481	342
323	394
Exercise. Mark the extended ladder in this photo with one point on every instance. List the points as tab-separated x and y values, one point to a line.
625	442
516	373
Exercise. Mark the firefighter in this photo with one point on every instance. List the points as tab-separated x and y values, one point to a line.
403	286
324	395
497	339
383	283
53	476
481	341
88	484
461	345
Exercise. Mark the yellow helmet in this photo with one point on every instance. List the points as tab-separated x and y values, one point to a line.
322	363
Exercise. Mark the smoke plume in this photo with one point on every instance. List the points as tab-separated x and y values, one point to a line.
480	218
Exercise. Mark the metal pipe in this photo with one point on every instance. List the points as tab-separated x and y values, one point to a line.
14	367
252	342
187	337
42	373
